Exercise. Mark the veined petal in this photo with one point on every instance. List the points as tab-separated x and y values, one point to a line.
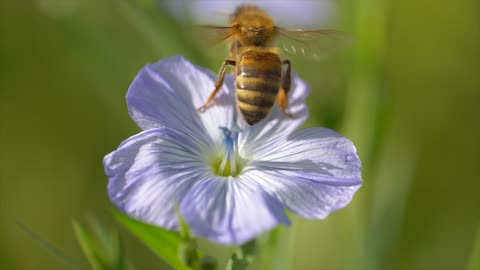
174	161
277	123
313	172
319	150
231	211
306	198
168	93
151	172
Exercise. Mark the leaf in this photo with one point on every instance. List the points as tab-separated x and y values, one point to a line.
184	228
189	253
166	244
154	26
89	248
389	199
474	262
50	247
276	247
103	249
243	256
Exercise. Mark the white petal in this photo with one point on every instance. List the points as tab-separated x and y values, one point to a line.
151	172
302	196
231	211
168	93
313	172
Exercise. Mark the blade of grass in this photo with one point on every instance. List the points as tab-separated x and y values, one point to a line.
94	256
51	248
103	247
366	113
474	262
166	244
164	35
276	249
389	197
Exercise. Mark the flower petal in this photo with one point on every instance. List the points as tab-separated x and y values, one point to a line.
277	123
231	211
306	198
151	172
308	12
168	93
313	173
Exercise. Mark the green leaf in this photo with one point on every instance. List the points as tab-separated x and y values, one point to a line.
52	249
103	249
243	256
474	262
276	247
184	228
389	199
164	243
208	263
154	25
89	248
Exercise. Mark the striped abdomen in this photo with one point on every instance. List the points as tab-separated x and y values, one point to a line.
257	82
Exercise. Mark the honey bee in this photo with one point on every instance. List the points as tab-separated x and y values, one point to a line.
261	79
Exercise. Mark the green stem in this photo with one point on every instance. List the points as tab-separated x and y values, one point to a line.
243	256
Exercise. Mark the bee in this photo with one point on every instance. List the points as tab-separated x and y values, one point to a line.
262	77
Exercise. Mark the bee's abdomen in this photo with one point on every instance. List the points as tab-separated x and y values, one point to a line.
257	83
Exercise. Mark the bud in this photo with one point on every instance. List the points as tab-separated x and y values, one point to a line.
188	253
208	263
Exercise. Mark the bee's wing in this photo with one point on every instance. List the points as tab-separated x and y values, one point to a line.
311	44
211	34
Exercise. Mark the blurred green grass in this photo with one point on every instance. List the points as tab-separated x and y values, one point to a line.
406	93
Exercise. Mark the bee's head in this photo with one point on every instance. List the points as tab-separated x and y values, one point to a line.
255	26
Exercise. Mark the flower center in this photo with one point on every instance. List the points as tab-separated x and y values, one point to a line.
230	164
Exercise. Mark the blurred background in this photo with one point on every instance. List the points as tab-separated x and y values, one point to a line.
406	91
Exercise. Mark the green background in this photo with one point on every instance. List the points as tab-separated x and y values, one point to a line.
406	91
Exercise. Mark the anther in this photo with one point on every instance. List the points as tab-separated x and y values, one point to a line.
231	148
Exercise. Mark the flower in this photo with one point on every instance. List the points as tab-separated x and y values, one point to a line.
230	181
307	12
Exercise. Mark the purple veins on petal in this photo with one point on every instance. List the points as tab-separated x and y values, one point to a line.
231	211
231	181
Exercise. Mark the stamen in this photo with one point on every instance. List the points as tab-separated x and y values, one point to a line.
230	164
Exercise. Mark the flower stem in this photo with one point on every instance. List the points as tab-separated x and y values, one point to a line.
243	256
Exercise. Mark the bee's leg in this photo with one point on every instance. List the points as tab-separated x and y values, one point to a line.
218	84
284	88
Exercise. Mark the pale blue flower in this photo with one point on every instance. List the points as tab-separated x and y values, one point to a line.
288	14
231	181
